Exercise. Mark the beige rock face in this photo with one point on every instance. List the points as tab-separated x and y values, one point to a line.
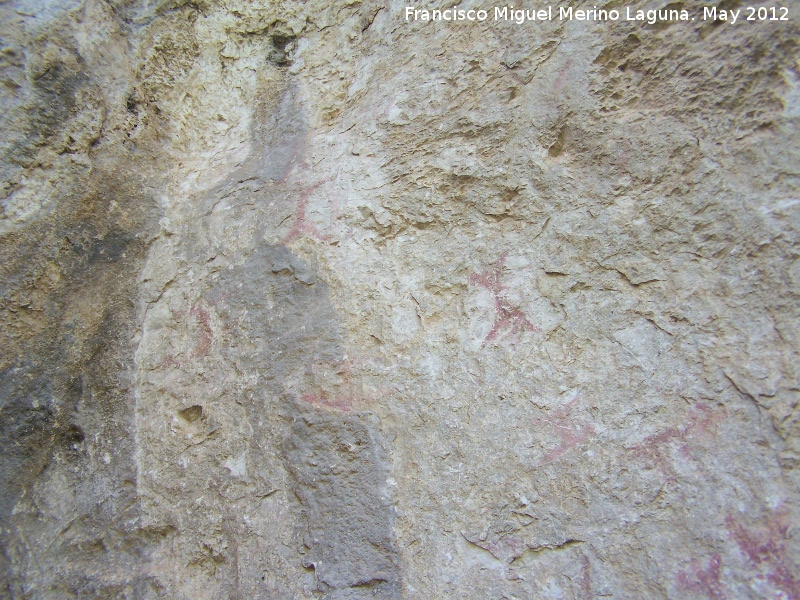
306	300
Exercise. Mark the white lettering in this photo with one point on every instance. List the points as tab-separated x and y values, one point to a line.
654	16
711	13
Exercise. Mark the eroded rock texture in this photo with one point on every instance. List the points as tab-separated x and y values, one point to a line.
303	300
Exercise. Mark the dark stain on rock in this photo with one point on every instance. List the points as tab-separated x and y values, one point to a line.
279	316
279	321
110	248
26	422
67	315
283	136
339	473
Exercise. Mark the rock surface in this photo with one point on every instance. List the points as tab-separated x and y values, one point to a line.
305	300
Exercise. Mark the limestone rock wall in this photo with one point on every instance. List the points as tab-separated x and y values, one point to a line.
303	300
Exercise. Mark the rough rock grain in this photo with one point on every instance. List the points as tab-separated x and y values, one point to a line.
303	300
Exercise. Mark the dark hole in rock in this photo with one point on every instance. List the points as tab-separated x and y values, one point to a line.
74	434
281	40
192	413
283	45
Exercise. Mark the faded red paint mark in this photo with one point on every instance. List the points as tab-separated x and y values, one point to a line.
656	448
333	385
339	392
704	581
764	546
342	402
296	150
586	578
203	320
323	400
301	226
570	433
506	548
171	361
509	319
562	74
702	419
623	160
